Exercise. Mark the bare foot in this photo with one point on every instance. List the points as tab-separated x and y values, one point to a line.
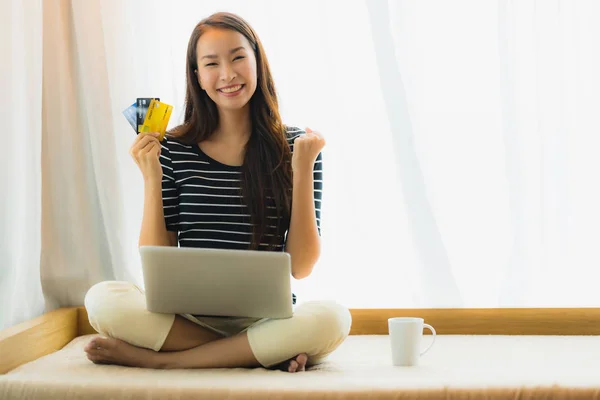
296	364
114	351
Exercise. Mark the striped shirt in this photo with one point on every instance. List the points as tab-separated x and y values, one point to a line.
202	198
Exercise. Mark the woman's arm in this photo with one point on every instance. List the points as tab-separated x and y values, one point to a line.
157	171
303	241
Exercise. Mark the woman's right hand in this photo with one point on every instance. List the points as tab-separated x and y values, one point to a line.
145	151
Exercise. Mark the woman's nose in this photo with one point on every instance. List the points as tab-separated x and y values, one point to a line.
227	74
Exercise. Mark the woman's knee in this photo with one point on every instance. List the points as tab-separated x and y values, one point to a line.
317	328
118	309
331	323
109	304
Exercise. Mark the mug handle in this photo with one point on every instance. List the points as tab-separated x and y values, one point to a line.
433	333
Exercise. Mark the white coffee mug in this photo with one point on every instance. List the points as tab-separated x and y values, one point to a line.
405	339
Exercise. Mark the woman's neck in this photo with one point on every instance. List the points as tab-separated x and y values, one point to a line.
234	127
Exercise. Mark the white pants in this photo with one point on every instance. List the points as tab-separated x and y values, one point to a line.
118	309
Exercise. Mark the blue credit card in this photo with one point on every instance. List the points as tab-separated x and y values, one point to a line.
131	115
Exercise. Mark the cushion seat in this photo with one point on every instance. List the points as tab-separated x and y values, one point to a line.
457	367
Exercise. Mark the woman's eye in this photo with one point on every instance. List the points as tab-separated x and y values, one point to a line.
211	64
238	57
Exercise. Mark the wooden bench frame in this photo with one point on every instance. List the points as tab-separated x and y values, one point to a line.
50	332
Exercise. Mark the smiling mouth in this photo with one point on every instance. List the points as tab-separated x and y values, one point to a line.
231	89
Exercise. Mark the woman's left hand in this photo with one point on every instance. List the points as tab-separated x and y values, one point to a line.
306	149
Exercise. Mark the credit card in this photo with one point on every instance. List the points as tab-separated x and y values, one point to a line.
142	104
157	118
130	115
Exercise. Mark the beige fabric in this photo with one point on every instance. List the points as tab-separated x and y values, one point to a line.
457	367
118	309
317	328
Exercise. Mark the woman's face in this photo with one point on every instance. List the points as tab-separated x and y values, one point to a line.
226	68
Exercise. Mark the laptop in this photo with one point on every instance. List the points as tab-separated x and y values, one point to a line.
214	282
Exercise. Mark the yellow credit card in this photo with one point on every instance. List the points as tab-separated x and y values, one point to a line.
157	118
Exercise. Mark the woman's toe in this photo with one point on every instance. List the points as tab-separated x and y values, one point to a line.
301	360
95	356
98	342
90	345
293	366
105	343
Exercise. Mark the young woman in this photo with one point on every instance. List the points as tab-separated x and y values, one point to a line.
231	176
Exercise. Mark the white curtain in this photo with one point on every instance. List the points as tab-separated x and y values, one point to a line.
21	161
461	168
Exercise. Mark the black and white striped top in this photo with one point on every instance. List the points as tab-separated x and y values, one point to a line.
202	199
